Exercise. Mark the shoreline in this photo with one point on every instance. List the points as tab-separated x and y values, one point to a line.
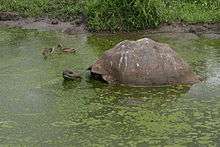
45	24
74	27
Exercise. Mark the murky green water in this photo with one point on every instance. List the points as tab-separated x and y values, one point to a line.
37	108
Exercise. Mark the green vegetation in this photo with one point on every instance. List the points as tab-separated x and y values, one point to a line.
124	14
62	9
193	10
119	15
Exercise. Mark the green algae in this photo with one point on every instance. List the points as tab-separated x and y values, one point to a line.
38	107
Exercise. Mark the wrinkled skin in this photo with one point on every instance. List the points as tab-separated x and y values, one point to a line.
143	63
69	74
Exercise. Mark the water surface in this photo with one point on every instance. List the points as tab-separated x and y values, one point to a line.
37	108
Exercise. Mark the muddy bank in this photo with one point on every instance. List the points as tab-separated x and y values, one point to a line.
187	28
9	19
46	24
71	28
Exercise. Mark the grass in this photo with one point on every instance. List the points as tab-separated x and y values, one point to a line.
193	11
65	10
124	15
119	15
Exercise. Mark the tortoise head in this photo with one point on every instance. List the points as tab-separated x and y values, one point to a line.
69	74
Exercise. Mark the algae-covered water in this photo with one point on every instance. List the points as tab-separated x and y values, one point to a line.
37	108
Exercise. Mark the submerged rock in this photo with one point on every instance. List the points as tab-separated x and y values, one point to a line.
69	74
143	63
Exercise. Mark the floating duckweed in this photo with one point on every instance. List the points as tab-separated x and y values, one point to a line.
44	109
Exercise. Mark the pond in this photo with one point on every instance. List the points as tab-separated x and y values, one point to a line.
38	108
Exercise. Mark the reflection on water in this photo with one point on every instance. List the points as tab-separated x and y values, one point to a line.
38	107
